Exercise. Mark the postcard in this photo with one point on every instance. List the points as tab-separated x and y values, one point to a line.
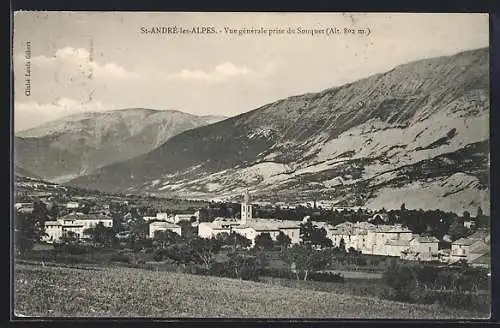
179	165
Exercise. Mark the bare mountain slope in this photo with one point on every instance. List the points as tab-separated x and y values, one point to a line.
78	144
416	134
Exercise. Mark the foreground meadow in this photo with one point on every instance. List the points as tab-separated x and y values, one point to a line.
126	292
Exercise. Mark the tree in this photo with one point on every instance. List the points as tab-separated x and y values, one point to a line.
101	234
342	244
306	231
305	259
69	237
40	212
27	232
139	229
479	212
283	240
180	252
166	237
457	230
245	266
223	238
319	239
312	235
264	241
466	215
403	207
205	249
54	211
401	279
237	241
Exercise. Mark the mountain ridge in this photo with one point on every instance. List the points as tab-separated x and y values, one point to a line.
421	115
80	143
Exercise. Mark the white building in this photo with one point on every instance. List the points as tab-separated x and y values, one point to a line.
422	248
76	223
470	248
469	224
173	218
72	205
162	216
250	227
154	227
355	235
19	205
387	240
186	217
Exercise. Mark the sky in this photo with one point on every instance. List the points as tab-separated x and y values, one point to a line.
100	61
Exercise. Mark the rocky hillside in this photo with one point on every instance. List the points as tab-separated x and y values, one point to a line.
416	134
78	144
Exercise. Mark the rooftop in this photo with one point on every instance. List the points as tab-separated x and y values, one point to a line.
81	216
53	223
480	248
465	241
426	239
164	224
397	242
483	259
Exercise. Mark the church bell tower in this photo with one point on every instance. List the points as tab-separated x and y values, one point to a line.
246	209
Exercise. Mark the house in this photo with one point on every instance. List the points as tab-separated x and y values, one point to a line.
173	218
186	217
159	217
470	248
76	223
217	226
123	235
72	205
162	216
422	248
154	227
387	240
25	210
353	234
469	224
380	218
20	205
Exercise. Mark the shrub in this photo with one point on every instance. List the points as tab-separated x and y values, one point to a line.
278	273
219	269
425	284
120	258
158	256
74	249
326	276
248	272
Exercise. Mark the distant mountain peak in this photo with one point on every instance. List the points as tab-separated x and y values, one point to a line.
77	144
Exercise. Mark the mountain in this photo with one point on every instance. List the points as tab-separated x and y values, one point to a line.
417	134
74	145
19	171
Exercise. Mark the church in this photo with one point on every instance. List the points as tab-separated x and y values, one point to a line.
249	226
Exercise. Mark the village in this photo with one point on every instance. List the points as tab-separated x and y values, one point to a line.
374	236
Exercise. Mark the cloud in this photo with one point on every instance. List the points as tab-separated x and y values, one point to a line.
32	113
220	73
80	60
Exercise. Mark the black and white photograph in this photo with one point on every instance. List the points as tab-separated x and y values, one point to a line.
251	165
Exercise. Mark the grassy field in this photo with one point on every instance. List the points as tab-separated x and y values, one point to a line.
127	292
